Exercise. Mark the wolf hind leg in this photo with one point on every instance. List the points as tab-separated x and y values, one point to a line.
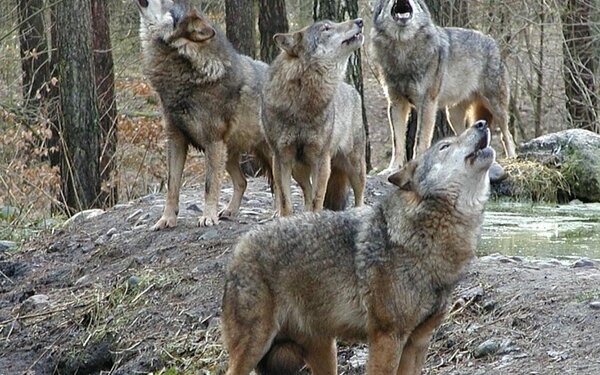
239	185
457	116
321	356
301	174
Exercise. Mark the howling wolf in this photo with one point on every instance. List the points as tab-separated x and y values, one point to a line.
210	97
431	67
381	274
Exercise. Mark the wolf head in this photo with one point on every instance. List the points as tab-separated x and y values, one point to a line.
454	169
325	41
400	19
176	22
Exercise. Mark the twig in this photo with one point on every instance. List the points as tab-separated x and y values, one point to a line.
142	293
7	278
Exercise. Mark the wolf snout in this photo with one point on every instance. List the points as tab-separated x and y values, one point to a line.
481	125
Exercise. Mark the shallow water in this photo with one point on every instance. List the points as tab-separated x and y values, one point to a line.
542	231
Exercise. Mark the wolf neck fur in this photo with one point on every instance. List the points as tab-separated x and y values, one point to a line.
302	80
432	220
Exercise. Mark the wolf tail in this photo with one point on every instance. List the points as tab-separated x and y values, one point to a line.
283	358
337	190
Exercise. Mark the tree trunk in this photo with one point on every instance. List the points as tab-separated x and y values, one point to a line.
337	10
79	119
272	19
240	22
34	55
107	107
581	61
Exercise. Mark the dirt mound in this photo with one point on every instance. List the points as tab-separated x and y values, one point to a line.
105	294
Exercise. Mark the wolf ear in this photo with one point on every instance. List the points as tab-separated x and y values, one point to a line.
404	177
288	42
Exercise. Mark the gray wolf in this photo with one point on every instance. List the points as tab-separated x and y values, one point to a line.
312	119
381	274
210	97
430	67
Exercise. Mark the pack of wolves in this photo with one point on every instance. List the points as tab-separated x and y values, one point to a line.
380	274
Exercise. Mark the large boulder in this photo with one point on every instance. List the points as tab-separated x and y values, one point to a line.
574	153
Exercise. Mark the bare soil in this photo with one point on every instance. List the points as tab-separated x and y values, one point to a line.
107	295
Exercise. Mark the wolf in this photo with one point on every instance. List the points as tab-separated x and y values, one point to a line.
312	119
431	67
210	98
381	274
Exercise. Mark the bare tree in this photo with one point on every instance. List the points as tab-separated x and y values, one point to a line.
272	19
33	44
240	22
105	88
79	119
581	59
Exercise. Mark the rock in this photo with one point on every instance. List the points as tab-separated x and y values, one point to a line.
576	152
7	245
488	347
497	173
595	305
82	216
575	202
584	263
210	235
133	281
194	207
134	215
34	302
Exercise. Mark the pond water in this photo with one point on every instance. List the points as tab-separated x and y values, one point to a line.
541	231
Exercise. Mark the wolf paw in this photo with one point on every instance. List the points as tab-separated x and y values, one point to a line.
165	222
227	214
208	221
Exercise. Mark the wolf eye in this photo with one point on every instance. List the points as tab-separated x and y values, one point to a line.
444	146
326	27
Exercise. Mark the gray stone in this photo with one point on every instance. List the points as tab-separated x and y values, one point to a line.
7	245
210	235
8	212
133	281
584	263
82	216
488	347
576	152
595	305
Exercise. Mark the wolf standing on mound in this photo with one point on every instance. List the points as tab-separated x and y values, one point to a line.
379	274
210	97
312	119
431	67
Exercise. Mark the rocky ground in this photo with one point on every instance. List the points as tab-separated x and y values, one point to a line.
106	295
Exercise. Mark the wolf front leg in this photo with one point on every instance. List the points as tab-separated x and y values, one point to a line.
239	185
415	350
282	178
215	164
320	172
385	349
398	113
425	125
177	147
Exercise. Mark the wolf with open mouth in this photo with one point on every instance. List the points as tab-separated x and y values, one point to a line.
430	67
